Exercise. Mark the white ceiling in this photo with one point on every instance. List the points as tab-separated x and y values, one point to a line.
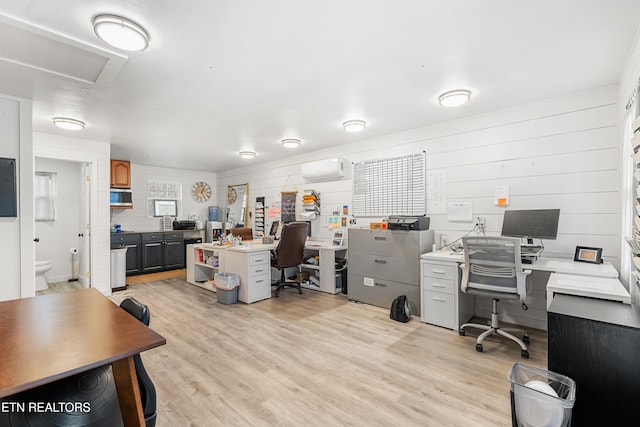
224	76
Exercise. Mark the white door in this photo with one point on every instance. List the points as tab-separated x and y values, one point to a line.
84	261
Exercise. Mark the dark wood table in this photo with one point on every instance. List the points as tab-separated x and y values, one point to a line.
54	336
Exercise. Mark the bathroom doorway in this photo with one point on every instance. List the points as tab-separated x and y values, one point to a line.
62	224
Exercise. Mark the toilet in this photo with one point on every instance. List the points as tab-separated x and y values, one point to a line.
41	281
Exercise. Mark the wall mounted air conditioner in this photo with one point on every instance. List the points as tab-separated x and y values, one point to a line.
323	170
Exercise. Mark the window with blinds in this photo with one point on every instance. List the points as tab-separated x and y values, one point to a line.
395	186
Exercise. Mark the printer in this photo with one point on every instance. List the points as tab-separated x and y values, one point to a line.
401	222
184	225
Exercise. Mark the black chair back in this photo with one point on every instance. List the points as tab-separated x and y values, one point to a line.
290	250
147	389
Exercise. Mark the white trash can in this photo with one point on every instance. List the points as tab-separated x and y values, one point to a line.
118	268
540	397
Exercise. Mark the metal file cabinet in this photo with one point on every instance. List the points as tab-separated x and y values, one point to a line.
386	263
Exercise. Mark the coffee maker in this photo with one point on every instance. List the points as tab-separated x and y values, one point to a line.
213	231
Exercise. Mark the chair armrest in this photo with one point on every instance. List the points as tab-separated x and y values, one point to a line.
522	277
464	282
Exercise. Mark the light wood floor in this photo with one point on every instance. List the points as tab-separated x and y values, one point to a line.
318	360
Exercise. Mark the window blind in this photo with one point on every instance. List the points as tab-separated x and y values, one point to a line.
395	186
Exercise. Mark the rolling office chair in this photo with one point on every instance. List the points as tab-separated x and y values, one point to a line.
289	253
96	387
147	389
243	233
493	268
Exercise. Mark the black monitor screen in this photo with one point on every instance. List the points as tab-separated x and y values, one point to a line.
533	223
274	228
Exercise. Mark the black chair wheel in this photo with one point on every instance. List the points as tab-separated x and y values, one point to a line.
461	332
479	347
525	354
525	339
300	291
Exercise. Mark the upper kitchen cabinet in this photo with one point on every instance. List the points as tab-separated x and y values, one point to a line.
120	174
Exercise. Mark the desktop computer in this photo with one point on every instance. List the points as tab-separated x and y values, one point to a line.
531	224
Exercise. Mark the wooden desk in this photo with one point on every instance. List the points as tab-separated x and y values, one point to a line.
50	337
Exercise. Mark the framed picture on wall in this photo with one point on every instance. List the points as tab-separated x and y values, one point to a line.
590	255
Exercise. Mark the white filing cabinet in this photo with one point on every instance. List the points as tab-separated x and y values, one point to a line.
254	268
443	303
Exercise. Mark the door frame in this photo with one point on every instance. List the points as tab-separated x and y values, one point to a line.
51	152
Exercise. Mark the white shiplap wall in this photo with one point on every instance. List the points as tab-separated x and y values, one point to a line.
137	219
559	153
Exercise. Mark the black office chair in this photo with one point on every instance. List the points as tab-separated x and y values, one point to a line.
147	389
289	253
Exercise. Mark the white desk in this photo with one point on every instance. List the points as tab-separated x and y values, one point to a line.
444	304
251	260
587	286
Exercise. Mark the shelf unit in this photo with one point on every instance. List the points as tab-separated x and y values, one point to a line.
203	262
324	276
634	239
258	226
311	202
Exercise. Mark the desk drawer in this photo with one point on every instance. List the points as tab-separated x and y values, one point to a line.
440	271
438	309
259	259
259	270
436	284
260	286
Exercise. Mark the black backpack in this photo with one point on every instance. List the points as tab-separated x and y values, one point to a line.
400	309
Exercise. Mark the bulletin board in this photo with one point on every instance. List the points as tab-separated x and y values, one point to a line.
395	186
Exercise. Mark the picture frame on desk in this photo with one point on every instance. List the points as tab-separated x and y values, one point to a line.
587	254
338	236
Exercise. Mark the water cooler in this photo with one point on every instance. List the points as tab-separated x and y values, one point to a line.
213	231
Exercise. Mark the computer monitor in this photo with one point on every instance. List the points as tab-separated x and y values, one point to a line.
274	228
531	223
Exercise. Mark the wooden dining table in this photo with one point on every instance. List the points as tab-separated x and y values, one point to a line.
50	337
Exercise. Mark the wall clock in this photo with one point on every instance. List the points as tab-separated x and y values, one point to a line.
232	196
200	191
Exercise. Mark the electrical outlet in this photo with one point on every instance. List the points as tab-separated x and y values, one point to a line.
479	224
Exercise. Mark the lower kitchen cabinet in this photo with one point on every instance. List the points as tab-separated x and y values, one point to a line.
132	242
162	251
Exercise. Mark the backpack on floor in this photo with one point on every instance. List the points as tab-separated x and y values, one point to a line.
400	309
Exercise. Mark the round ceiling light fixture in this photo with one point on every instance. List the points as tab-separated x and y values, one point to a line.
454	98
247	154
67	123
354	125
290	143
120	32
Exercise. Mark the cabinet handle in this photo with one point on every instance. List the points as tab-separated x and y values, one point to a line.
438	299
258	260
379	238
437	285
438	271
380	261
260	281
259	271
380	284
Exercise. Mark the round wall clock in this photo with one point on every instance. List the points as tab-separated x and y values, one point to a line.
200	191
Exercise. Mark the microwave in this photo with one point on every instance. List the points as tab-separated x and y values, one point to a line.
121	198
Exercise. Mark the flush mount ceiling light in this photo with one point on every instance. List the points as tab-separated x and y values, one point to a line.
67	123
454	98
120	32
290	143
354	125
247	154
